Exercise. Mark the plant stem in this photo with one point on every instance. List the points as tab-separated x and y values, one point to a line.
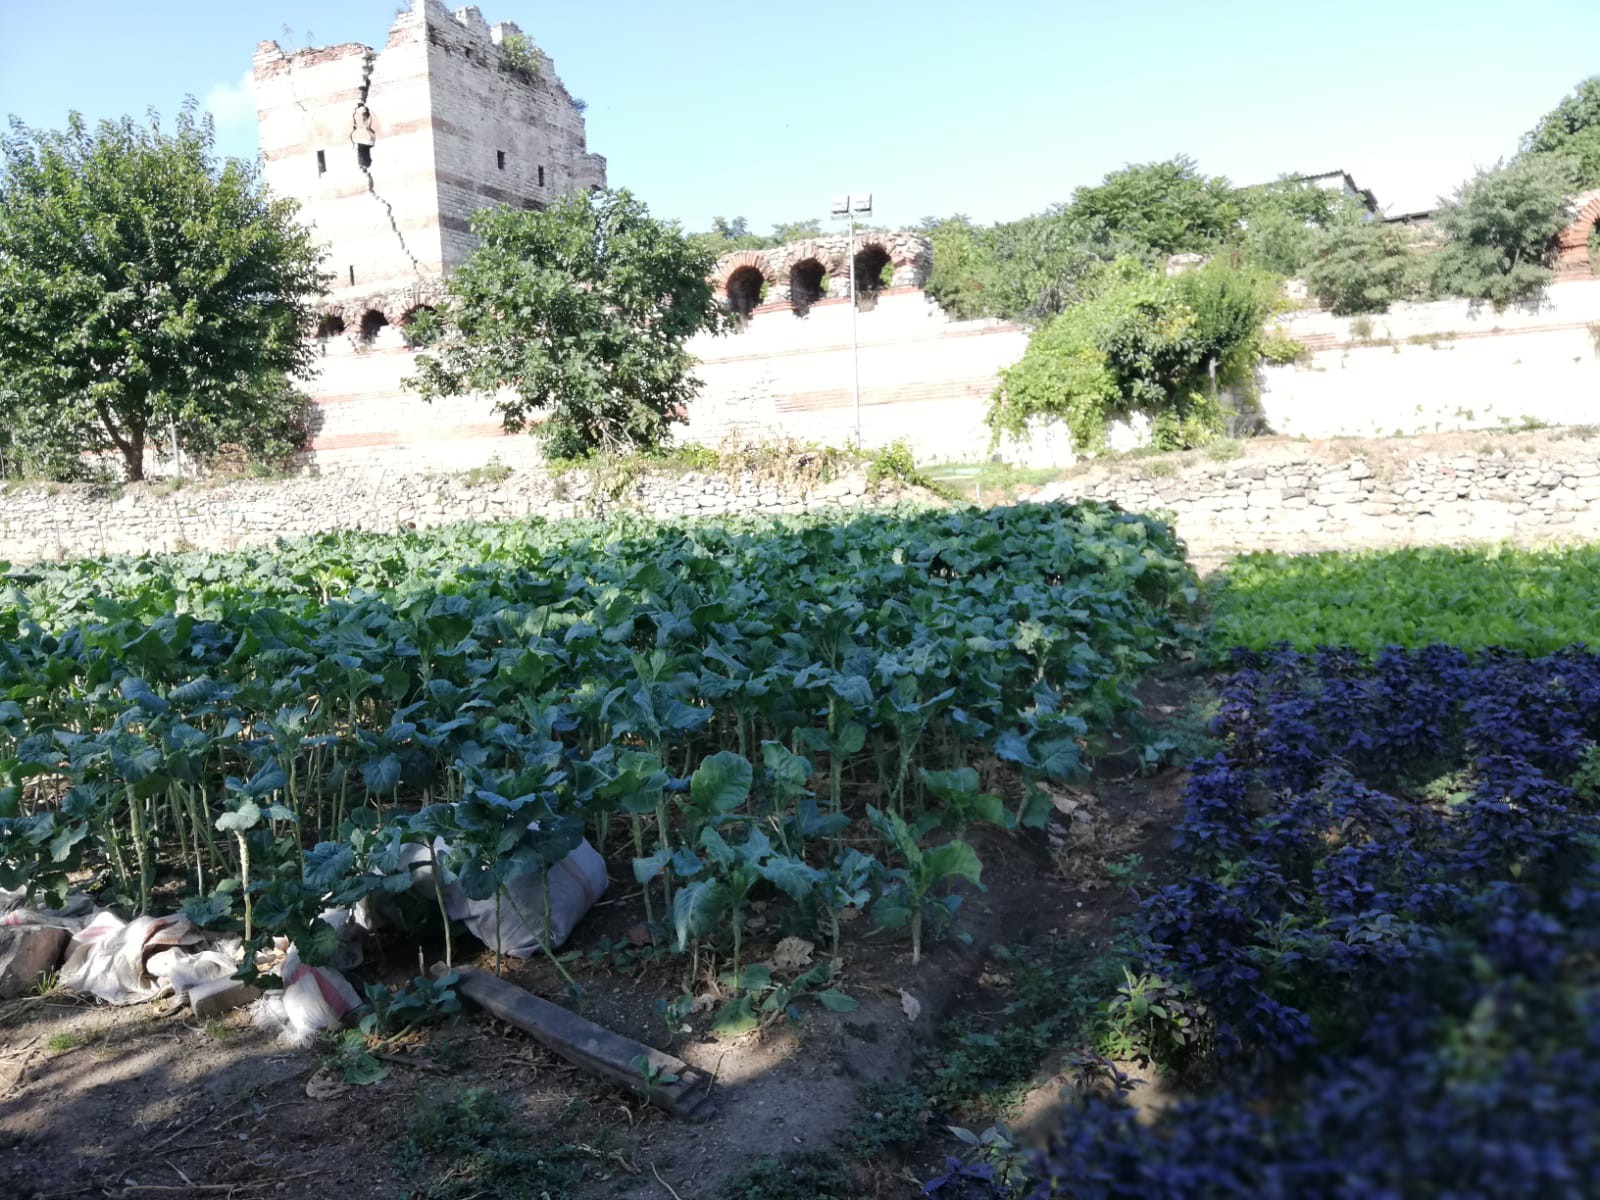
444	915
244	885
136	824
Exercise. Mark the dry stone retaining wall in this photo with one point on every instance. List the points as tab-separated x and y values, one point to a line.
1282	495
65	521
1286	496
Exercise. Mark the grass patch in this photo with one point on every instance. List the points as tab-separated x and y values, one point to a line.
1531	600
797	1176
67	1039
890	1118
471	1143
978	1070
990	482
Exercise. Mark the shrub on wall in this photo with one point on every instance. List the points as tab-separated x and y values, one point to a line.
1142	343
1362	266
520	57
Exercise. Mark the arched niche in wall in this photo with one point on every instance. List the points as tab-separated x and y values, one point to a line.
744	291
806	284
870	262
372	321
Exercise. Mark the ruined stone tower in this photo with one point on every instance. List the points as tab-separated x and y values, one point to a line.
389	152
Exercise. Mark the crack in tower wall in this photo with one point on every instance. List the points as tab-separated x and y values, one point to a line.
368	63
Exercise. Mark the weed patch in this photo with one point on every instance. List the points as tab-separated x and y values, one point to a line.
470	1145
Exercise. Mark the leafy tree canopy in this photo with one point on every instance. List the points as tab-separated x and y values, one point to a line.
1282	222
575	318
1166	207
1571	131
1501	226
727	235
1361	266
144	284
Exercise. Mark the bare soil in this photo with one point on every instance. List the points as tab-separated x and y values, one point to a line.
103	1102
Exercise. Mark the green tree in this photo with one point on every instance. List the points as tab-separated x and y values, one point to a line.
1361	266
1501	227
145	285
1282	222
1231	302
1029	270
1163	207
579	315
1571	132
795	231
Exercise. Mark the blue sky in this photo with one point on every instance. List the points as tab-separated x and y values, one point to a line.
995	109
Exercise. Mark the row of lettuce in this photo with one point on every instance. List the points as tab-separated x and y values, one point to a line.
259	737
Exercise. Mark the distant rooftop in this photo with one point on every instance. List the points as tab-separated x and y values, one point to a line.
1333	181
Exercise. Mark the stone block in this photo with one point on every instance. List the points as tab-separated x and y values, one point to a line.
27	952
218	996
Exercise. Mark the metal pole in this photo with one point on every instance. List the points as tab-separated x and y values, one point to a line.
855	351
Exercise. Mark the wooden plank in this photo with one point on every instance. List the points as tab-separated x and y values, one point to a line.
590	1046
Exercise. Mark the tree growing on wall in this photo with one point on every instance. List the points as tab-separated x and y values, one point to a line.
1500	228
144	286
575	318
1360	266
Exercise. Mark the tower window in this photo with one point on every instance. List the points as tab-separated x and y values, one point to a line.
363	156
541	176
322	162
500	159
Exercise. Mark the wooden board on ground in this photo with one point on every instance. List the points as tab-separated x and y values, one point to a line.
591	1046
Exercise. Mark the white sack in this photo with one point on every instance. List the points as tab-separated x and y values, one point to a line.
313	999
576	883
107	958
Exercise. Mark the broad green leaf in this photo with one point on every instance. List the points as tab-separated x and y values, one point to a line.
836	1001
722	782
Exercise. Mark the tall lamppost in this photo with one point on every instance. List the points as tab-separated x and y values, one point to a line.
848	208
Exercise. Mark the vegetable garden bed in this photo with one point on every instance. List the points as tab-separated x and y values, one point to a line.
777	730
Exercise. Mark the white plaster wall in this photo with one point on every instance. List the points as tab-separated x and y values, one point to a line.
927	380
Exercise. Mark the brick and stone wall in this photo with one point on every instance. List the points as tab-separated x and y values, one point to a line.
827	256
389	152
1299	496
69	521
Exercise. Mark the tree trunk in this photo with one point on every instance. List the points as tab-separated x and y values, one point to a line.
133	458
131	445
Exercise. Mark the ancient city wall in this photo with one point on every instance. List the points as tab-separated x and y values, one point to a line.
390	151
1423	368
1440	366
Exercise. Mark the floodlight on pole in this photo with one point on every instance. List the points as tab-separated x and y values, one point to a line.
847	208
